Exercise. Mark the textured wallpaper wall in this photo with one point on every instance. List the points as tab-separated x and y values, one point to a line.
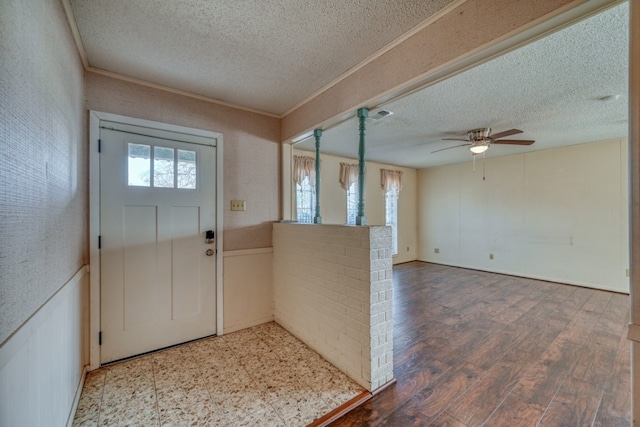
43	159
251	149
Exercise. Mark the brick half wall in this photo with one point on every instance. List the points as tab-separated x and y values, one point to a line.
333	290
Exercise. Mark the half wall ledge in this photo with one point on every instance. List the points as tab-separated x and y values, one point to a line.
333	290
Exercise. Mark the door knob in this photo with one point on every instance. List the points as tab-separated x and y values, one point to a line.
209	252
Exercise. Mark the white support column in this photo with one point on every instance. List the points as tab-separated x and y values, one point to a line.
286	181
634	200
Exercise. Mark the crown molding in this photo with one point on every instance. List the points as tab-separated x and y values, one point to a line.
178	91
73	26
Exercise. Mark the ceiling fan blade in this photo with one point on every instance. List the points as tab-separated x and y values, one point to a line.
449	148
514	141
505	133
455	139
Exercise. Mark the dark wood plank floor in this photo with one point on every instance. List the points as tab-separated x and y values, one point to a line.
475	348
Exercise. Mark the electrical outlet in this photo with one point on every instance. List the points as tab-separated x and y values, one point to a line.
627	272
238	205
407	248
490	256
436	250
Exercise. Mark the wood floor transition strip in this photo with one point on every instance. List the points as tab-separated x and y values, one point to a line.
383	387
342	410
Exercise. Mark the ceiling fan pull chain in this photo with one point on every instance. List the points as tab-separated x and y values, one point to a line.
474	162
483	175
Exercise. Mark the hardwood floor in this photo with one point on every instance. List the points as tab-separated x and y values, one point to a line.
475	348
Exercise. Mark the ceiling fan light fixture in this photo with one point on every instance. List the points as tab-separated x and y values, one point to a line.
479	148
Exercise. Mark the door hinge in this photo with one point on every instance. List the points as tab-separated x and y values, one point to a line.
99	242
100	338
99	146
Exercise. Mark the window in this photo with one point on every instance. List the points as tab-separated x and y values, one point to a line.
352	203
391	183
391	217
305	200
349	181
304	176
171	168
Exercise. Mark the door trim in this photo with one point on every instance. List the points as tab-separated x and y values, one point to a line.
94	220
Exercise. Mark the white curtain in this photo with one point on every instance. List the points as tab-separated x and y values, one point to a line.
348	174
304	166
390	180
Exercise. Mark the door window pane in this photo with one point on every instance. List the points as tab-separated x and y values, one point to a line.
163	167
139	165
167	173
187	169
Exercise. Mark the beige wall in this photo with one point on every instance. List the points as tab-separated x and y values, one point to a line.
333	200
43	177
251	149
559	215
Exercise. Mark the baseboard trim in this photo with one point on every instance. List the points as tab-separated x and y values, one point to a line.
76	398
240	326
342	410
529	276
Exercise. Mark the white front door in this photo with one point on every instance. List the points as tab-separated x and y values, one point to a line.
158	269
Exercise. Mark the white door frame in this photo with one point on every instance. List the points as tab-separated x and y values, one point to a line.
94	219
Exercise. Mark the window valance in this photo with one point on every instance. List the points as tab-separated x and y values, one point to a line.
391	179
304	166
348	174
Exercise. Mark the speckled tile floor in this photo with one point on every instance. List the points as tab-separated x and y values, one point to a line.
258	376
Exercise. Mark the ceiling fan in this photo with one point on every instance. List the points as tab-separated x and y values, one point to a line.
479	140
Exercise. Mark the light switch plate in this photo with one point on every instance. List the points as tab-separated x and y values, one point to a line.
238	205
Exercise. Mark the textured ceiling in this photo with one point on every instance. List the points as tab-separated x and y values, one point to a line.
550	89
266	55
